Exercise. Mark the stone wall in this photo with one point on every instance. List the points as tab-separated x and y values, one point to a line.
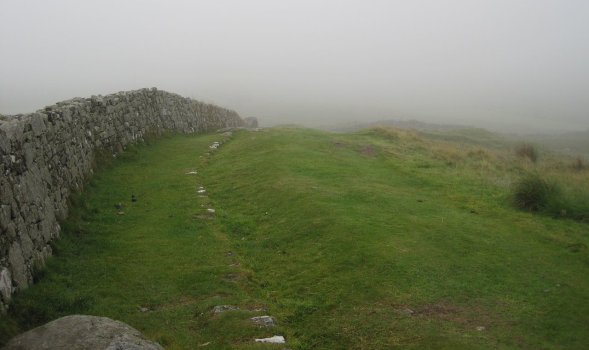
47	155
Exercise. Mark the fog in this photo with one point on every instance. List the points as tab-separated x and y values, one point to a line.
503	64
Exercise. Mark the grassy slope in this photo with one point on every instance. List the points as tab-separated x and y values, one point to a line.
361	241
572	143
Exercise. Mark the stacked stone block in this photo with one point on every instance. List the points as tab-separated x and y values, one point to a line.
47	155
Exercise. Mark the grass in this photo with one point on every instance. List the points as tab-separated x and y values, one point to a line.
534	193
373	240
537	193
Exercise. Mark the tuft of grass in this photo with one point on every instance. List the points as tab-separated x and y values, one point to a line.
394	134
570	202
579	164
526	150
536	193
533	193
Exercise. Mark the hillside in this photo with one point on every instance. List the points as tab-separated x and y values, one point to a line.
570	144
377	239
573	143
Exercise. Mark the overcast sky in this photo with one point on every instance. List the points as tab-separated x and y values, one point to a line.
492	63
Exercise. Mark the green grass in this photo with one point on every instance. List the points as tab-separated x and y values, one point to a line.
373	240
534	192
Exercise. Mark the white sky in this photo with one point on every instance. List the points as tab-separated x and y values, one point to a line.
508	63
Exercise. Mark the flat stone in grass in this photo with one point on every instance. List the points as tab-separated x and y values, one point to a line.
81	332
264	321
223	308
406	311
277	339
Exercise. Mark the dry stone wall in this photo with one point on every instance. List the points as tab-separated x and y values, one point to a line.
47	155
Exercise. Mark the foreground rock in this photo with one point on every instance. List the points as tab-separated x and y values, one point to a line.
277	339
79	332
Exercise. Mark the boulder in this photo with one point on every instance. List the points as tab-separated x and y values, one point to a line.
81	332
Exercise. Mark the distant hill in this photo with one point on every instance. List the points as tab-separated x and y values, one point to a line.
403	124
442	132
572	143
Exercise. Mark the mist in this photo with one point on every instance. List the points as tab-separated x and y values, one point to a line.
508	65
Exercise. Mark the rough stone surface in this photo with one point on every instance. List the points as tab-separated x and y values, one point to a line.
80	332
223	308
5	285
277	339
251	122
264	321
47	155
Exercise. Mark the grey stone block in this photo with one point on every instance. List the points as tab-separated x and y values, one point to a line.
47	154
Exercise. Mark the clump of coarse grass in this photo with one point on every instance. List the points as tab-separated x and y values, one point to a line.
579	164
386	133
449	153
571	202
533	192
560	199
394	134
526	150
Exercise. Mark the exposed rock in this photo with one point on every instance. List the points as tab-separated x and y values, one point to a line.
251	122
277	339
5	285
17	266
264	321
222	308
79	332
406	311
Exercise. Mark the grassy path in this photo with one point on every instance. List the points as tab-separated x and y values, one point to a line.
160	264
350	241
